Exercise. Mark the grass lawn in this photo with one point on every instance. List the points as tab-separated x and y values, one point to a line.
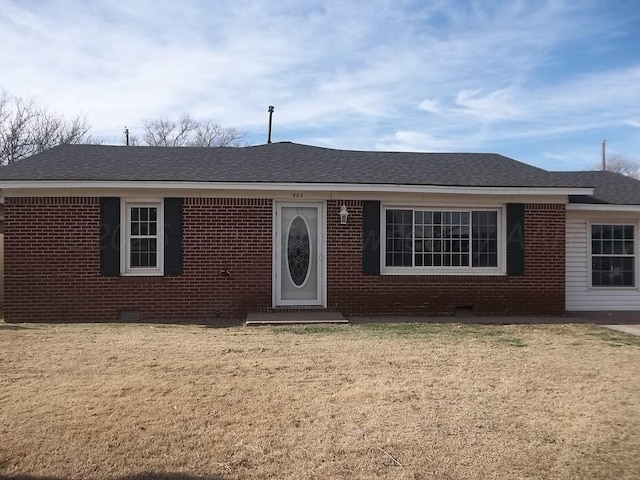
405	401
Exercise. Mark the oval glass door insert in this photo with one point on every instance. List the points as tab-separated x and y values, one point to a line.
298	251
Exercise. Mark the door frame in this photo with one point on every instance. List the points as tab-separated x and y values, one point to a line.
321	255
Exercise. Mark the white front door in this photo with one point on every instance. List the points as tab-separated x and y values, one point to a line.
298	254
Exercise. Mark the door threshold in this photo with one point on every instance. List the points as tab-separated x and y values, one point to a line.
291	318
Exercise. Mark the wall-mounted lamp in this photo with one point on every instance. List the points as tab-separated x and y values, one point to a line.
343	214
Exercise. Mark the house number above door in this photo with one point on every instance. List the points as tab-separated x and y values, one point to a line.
298	251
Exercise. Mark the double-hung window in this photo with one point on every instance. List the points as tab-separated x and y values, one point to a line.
613	255
143	238
443	241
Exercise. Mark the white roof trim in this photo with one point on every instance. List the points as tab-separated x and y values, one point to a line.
600	207
335	187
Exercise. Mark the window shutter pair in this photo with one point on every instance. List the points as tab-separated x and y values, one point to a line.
371	238
110	236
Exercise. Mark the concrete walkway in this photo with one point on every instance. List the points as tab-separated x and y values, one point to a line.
628	322
609	317
632	329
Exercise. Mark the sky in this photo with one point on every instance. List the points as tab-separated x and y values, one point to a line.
541	81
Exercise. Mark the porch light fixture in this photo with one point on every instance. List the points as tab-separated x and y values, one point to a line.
343	215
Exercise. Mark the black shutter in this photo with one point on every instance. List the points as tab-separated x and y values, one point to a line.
110	236
172	236
515	239
371	237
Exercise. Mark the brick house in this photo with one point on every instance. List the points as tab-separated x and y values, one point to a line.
100	233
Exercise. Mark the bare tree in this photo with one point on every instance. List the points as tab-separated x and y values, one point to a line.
26	129
16	139
624	166
213	135
187	132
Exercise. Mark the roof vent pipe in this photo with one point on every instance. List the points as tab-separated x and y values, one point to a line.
270	118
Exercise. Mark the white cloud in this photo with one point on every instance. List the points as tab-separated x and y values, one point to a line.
498	105
408	141
430	105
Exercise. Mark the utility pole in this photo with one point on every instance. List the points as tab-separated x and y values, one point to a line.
126	136
604	155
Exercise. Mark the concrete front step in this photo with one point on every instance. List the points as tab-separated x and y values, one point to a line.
290	318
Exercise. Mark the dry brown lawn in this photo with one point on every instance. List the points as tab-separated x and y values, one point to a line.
406	401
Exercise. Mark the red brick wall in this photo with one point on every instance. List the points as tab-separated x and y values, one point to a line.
539	292
52	267
53	262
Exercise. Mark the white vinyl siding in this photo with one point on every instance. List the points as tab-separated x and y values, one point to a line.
580	296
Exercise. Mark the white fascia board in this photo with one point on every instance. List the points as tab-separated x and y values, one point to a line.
598	207
310	187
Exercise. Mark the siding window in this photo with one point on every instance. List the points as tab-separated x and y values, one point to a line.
439	241
613	258
143	238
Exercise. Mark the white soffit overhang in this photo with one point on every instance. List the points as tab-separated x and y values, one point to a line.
308	187
602	207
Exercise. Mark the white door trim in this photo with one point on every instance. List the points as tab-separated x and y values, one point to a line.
321	255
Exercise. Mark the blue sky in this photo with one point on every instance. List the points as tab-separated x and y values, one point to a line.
540	81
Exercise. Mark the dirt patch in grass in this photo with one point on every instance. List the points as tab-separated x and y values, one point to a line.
407	401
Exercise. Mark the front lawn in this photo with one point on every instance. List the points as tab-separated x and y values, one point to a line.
406	401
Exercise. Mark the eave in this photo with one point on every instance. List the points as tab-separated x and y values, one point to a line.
602	207
14	186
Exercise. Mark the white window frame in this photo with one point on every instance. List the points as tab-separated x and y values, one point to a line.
636	263
499	270
125	236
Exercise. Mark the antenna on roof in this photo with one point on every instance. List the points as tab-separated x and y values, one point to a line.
604	156
270	118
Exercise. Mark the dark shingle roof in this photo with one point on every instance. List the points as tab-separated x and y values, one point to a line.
609	187
277	162
287	162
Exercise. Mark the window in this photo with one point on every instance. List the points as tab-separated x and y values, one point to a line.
442	241
613	260
143	238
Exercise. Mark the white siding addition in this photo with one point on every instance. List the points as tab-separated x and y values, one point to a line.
580	295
